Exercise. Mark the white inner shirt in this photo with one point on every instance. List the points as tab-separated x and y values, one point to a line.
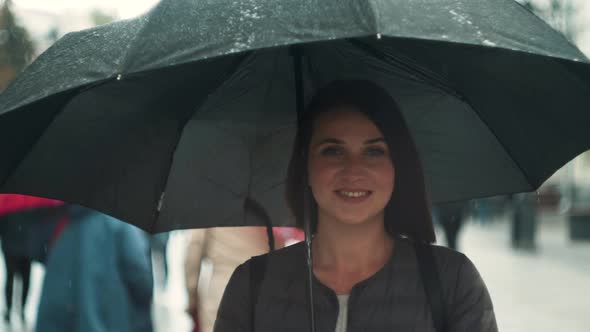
342	313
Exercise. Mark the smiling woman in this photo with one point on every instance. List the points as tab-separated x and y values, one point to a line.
349	164
373	267
363	112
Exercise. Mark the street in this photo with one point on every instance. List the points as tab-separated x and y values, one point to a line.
547	290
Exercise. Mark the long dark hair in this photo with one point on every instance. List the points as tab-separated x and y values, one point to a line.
408	211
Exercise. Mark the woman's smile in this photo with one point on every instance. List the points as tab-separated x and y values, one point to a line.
353	195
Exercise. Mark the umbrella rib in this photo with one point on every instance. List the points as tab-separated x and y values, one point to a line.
432	78
225	187
272	186
230	72
257	141
408	65
74	93
36	141
504	146
130	46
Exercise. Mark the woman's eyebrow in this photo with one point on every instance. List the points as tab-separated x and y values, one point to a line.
341	142
375	140
330	141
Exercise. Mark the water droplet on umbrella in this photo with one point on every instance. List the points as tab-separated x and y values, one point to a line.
119	77
378	36
489	43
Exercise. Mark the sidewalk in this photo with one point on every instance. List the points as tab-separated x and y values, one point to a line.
548	290
545	291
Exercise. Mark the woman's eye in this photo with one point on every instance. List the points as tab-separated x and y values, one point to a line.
331	151
376	151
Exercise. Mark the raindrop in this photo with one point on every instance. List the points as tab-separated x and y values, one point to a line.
378	36
119	77
488	42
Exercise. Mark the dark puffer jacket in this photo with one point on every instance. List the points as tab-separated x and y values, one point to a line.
393	299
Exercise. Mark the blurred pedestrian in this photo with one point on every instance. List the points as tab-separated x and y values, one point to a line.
159	247
17	267
524	221
211	257
451	217
98	277
26	236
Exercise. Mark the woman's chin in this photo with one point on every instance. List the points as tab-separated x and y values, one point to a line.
350	217
352	220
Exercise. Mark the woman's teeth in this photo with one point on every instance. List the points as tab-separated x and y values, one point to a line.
353	193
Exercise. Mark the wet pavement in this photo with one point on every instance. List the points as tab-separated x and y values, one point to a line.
547	290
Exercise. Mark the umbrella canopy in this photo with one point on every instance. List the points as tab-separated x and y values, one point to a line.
182	116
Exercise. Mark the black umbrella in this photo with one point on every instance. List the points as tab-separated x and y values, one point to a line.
179	117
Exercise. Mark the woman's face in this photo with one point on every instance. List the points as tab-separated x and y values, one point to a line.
350	170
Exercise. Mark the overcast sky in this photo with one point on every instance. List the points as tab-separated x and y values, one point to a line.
130	8
122	8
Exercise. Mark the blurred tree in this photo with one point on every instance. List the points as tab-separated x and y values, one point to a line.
100	17
560	14
16	47
528	5
53	34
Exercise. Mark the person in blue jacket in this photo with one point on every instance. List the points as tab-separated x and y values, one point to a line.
98	277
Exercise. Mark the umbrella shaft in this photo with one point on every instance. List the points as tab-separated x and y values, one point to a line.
298	76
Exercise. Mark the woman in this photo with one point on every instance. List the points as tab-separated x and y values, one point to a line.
355	156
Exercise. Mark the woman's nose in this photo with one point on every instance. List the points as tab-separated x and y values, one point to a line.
353	166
